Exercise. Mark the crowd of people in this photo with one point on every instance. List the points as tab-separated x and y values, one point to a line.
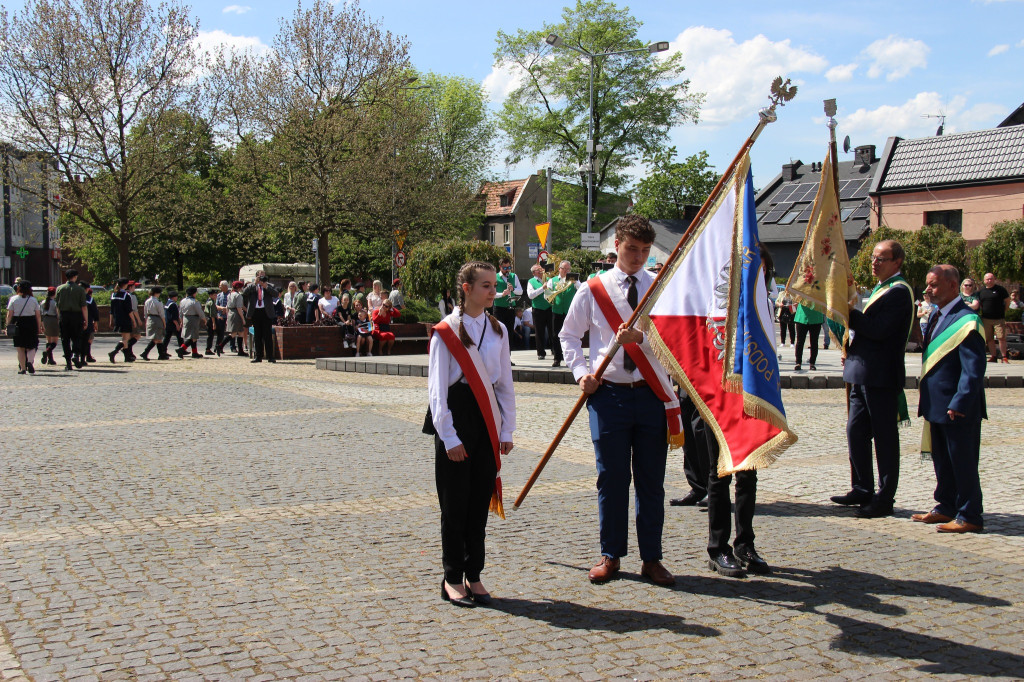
472	409
238	317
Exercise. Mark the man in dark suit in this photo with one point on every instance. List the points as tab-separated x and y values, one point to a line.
876	374
259	307
953	404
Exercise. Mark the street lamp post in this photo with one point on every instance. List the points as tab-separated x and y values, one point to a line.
554	40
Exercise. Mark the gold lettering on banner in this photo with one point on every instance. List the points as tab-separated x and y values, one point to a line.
757	359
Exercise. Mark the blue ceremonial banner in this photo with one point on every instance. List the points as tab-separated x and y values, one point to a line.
754	356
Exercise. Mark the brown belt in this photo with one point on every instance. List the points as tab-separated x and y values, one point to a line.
628	384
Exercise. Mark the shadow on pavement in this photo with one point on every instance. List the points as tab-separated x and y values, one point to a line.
563	614
944	656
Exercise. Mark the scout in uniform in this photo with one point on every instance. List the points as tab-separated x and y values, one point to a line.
192	319
155	326
172	323
138	325
121	320
73	314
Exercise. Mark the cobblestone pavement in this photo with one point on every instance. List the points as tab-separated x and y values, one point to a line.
220	520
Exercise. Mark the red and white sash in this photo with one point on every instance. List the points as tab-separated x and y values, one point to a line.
616	311
472	366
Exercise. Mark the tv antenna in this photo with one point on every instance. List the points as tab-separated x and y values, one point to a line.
942	121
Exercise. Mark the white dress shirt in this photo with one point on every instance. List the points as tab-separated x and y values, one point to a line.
584	315
532	291
445	371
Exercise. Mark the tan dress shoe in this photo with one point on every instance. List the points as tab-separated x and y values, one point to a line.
930	517
958	526
657	573
607	569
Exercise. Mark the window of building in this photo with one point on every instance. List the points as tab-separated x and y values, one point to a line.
508	235
951	220
490	233
789	217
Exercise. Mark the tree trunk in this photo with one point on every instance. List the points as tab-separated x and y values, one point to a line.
123	266
324	247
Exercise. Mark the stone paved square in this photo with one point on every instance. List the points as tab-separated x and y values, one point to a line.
220	520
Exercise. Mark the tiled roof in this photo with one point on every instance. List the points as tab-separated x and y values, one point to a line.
784	207
495	190
962	158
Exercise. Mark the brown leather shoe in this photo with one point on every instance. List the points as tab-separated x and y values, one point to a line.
607	569
657	573
931	517
958	526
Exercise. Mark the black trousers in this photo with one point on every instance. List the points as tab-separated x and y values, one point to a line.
215	330
801	336
464	489
786	324
695	448
71	334
507	316
719	511
872	416
169	333
542	325
263	334
557	321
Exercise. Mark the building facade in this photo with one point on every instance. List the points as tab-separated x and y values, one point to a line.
30	241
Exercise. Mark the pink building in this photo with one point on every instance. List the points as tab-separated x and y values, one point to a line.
965	181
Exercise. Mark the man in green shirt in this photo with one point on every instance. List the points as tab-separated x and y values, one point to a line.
566	289
507	289
541	311
807	320
72	313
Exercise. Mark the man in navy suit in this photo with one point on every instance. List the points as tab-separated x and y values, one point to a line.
875	371
953	404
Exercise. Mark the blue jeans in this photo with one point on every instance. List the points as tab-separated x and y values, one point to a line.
630	434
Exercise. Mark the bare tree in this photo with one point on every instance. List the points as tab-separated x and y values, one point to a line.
304	115
90	83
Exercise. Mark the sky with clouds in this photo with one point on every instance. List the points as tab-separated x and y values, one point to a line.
888	63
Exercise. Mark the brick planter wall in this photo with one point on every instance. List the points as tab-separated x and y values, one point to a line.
303	342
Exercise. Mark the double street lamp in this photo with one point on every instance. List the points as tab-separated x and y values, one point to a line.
554	40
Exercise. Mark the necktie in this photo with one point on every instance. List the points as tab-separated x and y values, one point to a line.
932	323
632	300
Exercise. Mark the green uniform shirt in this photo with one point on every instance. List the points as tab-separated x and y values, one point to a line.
500	284
805	315
70	297
562	301
539	303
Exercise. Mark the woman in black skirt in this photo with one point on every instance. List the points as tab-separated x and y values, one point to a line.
23	310
470	376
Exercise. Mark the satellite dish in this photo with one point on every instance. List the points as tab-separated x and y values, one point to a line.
846	144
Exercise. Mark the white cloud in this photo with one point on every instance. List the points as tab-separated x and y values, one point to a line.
896	57
501	81
916	117
735	76
1020	44
213	42
998	49
236	9
841	73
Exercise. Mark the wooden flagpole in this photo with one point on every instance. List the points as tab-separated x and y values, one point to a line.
781	93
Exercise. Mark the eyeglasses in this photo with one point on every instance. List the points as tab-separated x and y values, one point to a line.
876	259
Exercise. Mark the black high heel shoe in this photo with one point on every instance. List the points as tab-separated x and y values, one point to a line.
481	599
458	601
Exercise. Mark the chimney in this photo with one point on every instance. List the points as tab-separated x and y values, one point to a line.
864	155
789	170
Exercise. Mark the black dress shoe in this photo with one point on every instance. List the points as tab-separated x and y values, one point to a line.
854	498
556	363
458	601
703	503
483	599
874	510
255	360
689	500
748	558
726	565
271	360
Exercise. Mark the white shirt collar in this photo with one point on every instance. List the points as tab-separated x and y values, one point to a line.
944	310
621	275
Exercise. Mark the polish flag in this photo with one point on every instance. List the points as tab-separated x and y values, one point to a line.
712	327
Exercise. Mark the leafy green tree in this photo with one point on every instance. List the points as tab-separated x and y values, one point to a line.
637	98
460	131
83	75
433	266
924	248
672	185
1002	252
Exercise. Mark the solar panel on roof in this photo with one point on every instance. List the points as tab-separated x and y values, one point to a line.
861	212
783	194
774	215
805	214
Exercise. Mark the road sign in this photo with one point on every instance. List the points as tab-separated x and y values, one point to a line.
543	256
590	240
542	233
400	259
534	249
400	236
316	245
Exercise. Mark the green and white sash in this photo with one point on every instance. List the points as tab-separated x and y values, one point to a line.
939	347
882	288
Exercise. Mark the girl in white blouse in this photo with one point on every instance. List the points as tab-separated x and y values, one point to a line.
465	463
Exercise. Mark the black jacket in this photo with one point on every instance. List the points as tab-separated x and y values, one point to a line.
875	356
